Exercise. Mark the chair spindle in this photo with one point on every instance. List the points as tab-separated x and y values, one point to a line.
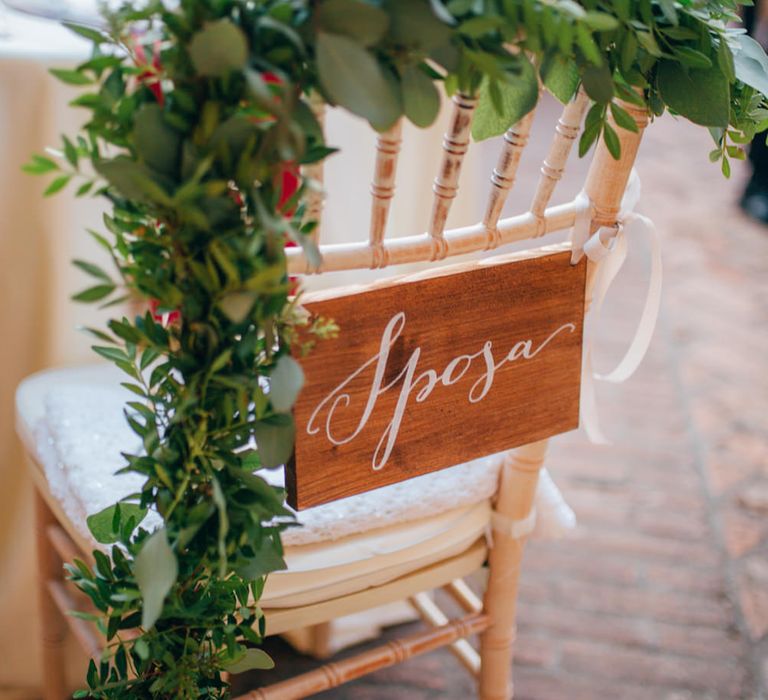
503	177
383	190
566	132
446	185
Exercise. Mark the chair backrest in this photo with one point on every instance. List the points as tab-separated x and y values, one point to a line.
462	360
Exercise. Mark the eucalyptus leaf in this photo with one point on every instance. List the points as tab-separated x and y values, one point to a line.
588	46
700	95
477	26
669	10
441	12
93	35
232	136
421	100
623	118
157	144
71	76
220	501
518	97
598	83
237	305
58	184
628	52
141	648
102	524
219	48
308	122
679	33
611	139
95	293
726	61
365	23
285	382
354	79
600	21
266	559
751	64
274	439
133	180
70	152
252	660
573	7
39	165
649	43
449	57
593	125
561	77
156	570
692	58
415	25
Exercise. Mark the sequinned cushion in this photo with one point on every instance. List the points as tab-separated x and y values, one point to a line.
71	422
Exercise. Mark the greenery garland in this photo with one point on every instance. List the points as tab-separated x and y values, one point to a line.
199	119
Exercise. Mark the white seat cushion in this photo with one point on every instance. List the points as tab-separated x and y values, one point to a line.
71	421
326	570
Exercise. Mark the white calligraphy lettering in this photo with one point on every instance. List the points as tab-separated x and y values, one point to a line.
420	386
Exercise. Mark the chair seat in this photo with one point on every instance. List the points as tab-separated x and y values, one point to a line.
71	422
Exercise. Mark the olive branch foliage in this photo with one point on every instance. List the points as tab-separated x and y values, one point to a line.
194	114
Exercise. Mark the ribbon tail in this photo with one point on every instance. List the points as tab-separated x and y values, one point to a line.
588	413
644	332
607	248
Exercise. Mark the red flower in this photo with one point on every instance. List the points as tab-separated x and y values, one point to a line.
288	186
164	319
150	76
289	177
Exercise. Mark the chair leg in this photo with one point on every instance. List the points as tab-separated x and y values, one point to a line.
517	489
53	626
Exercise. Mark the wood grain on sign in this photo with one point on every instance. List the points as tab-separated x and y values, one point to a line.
432	370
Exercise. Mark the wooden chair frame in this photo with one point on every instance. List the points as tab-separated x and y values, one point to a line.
493	618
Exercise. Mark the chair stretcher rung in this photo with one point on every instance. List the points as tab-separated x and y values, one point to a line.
383	186
464	596
430	612
62	543
80	628
394	652
419	248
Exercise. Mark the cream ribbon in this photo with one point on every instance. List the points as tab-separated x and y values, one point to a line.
607	247
516	529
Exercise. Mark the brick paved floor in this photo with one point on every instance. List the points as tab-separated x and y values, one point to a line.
663	593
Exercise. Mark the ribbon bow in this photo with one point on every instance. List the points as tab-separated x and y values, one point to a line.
607	247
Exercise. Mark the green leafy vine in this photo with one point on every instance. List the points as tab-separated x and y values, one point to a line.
198	121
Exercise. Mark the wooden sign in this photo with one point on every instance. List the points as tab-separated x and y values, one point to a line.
433	370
